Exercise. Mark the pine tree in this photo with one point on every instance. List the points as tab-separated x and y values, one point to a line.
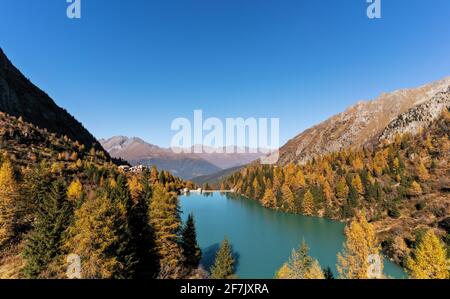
428	259
396	165
284	272
360	244
154	175
357	184
353	197
357	164
300	180
341	188
166	224
257	190
315	272
95	236
36	183
423	173
135	187
141	232
223	267
75	191
162	178
44	245
288	198
328	273
308	204
327	192
189	244
127	252
8	202
415	189
269	200
301	266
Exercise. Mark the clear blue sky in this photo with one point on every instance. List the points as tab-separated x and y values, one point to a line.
131	67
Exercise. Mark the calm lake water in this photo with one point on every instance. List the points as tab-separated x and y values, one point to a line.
263	239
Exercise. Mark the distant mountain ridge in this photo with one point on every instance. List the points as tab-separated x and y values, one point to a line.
216	177
21	98
364	123
185	165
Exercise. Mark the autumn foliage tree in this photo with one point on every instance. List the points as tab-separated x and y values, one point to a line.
300	266
95	236
75	190
166	224
308	204
429	259
269	200
8	202
288	198
361	242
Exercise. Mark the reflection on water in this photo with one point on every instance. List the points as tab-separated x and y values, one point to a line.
262	239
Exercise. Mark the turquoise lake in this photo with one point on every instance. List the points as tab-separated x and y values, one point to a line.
263	239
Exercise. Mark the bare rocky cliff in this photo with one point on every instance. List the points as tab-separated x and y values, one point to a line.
418	117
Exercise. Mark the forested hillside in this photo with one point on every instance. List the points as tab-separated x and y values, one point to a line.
402	186
58	197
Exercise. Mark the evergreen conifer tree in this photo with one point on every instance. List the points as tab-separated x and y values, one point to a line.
44	245
223	267
191	250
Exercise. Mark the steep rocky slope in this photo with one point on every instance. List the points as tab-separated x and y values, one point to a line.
418	117
21	98
360	124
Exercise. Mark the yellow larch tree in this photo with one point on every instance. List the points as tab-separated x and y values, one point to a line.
422	172
269	200
257	190
308	204
288	197
94	237
300	179
341	188
300	266
8	202
357	164
75	190
135	187
327	192
415	189
357	184
429	259
361	243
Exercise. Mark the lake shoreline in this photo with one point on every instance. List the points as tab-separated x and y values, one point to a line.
282	232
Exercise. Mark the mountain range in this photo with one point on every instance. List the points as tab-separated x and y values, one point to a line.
184	165
364	124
